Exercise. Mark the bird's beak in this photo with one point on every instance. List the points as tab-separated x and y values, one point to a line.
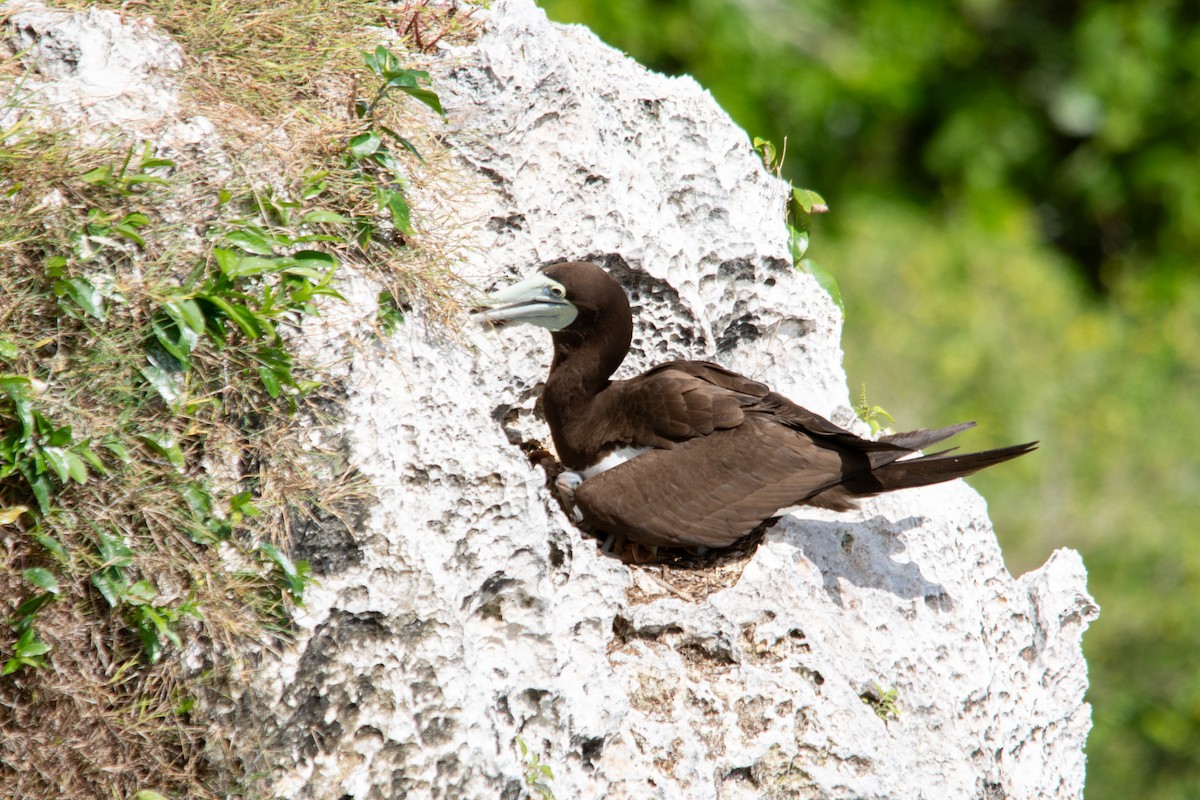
536	300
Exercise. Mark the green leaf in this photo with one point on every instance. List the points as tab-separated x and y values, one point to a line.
165	445
402	78
50	543
41	487
824	280
97	175
189	312
8	349
129	224
382	61
18	390
385	159
165	382
243	503
241	316
405	143
55	266
26	611
251	266
391	316
41	578
177	341
141	593
113	550
307	274
76	468
325	217
134	180
56	457
363	145
810	201
156	162
315	259
165	629
93	460
188	322
270	381
118	449
84	294
130	233
797	243
278	360
276	555
314	185
52	436
208	528
426	96
295	574
150	642
198	499
398	207
251	240
29	646
111	584
227	260
146	794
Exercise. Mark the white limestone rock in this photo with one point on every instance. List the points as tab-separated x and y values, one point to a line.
470	612
93	67
108	80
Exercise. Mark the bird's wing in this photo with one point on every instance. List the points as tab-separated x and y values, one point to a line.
680	400
675	402
711	491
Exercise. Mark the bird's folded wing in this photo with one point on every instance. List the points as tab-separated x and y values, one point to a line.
679	400
713	490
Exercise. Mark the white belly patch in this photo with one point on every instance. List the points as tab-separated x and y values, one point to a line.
614	459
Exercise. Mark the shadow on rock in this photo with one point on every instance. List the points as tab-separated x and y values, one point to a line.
863	553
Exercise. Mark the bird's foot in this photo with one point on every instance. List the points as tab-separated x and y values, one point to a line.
566	484
628	552
637	553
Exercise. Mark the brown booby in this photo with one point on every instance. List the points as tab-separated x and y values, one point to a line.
690	454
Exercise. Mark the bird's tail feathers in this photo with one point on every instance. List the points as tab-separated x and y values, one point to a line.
923	437
934	468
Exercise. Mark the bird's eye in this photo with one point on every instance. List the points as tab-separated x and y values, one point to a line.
558	291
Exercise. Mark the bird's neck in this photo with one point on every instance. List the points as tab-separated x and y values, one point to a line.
581	370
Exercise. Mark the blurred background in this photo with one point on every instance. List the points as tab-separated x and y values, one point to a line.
1015	227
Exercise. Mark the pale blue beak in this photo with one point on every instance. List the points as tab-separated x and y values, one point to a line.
536	300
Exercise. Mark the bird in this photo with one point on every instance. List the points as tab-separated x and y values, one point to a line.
690	454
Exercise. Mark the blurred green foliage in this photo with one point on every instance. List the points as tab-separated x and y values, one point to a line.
1015	227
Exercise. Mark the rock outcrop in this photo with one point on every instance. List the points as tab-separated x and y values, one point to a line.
885	653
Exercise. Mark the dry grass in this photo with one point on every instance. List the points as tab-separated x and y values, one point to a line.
279	80
100	719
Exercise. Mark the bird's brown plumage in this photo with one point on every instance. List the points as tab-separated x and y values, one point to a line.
726	452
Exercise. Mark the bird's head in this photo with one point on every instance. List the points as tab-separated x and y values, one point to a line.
570	295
